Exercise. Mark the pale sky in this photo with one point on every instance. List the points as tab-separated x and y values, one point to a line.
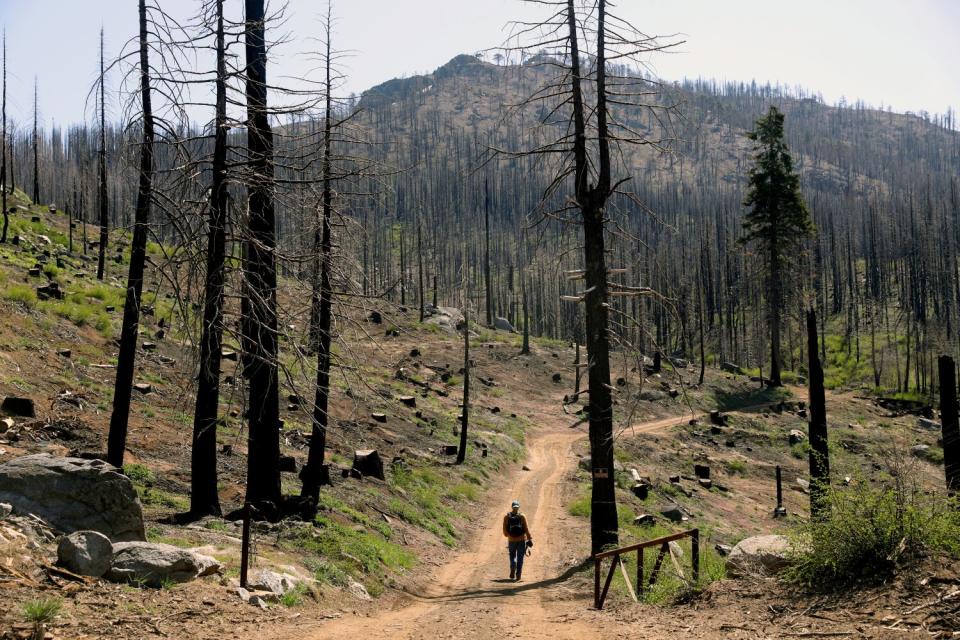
899	53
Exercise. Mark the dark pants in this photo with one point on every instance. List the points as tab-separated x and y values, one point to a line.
516	551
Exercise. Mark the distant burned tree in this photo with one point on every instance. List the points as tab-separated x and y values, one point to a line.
577	110
102	174
36	147
3	144
778	220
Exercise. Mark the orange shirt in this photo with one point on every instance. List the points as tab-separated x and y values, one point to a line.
523	523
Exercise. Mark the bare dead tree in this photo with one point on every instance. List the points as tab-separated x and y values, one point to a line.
102	175
3	144
119	419
204	499
574	104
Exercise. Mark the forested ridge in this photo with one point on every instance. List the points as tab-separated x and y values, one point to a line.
882	188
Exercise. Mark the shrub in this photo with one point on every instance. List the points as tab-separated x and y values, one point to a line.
872	530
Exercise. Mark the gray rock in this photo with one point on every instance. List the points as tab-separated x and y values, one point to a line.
5	510
153	564
797	436
759	554
673	512
926	423
358	590
73	494
502	324
88	553
920	450
276	583
652	395
729	367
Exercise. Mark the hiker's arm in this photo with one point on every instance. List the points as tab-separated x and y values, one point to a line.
505	531
526	529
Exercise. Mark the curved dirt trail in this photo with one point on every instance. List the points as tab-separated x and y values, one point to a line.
470	596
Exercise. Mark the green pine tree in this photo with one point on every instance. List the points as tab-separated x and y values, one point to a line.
778	220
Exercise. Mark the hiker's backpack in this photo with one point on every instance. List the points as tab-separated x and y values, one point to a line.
514	524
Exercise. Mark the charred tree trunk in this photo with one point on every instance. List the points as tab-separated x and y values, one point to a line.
311	474
819	452
3	146
203	463
465	421
120	417
486	252
420	295
603	519
950	423
775	299
36	149
260	273
525	349
102	184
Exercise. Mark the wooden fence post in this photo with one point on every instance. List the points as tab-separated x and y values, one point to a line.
245	546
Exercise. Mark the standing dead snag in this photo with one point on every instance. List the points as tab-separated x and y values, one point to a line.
950	423
323	300
819	452
120	417
591	200
260	274
203	462
465	416
102	175
579	93
3	145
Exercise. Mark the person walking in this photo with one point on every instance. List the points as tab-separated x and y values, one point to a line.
518	538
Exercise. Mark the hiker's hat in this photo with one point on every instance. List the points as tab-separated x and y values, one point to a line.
515	504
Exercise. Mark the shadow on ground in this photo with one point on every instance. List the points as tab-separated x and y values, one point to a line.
513	588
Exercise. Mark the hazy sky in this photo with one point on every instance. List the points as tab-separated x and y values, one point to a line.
901	53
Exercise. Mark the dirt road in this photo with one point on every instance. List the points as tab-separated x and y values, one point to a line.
471	596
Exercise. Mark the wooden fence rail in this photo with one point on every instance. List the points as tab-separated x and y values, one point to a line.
599	595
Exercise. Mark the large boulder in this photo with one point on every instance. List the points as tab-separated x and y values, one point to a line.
88	553
154	564
502	324
759	554
73	494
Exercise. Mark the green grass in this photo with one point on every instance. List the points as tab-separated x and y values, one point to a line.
581	507
22	294
138	473
736	467
80	313
294	597
464	491
343	551
42	610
